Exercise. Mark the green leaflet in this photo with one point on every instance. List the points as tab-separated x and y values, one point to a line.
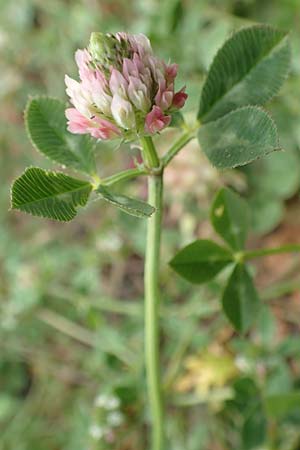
240	300
230	218
129	205
249	69
239	137
201	261
46	125
49	194
254	429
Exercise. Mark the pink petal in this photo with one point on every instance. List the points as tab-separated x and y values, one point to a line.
164	97
104	129
97	127
117	82
156	121
123	112
77	123
129	69
171	72
180	98
138	62
82	58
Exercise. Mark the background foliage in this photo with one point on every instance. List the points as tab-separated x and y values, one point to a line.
71	295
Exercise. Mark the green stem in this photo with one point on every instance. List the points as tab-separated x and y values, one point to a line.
176	147
123	176
280	289
155	186
152	300
270	251
149	152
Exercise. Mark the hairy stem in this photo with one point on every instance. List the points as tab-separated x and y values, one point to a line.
152	298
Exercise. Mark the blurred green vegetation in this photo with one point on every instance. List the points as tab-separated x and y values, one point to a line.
71	322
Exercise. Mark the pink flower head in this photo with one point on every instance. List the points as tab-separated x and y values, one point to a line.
124	89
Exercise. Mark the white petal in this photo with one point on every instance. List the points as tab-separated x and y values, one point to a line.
122	112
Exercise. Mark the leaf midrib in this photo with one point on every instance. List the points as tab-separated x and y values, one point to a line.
54	196
202	261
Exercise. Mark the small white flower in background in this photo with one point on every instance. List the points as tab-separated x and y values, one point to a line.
112	403
96	432
106	401
242	363
115	419
106	418
100	400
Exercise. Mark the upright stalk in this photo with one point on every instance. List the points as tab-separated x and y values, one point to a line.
152	300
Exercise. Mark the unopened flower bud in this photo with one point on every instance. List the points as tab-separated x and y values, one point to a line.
103	49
